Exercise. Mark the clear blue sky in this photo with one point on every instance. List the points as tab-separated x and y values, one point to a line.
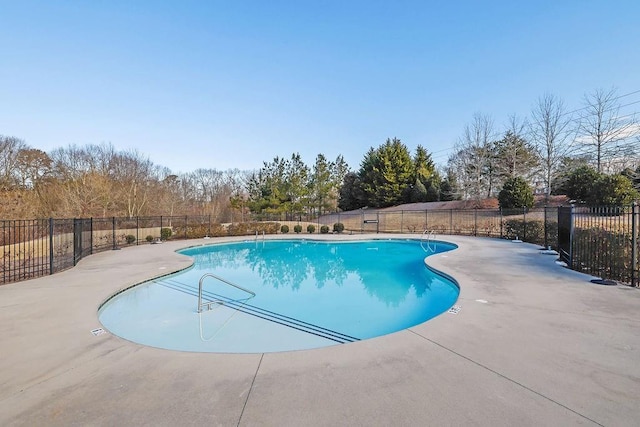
230	84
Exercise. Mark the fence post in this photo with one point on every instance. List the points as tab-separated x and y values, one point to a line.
450	221
426	220
524	224
137	230
634	244
501	224
186	222
91	236
401	220
209	234
50	245
546	226
572	225
475	221
113	228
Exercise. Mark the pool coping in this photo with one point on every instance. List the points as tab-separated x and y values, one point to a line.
533	343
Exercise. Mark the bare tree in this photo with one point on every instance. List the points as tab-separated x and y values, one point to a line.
603	133
551	132
96	180
133	177
10	148
78	185
31	166
473	159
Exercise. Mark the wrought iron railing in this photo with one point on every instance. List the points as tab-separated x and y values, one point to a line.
597	241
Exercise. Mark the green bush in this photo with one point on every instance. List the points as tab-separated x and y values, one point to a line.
612	190
311	228
297	228
249	228
529	231
581	182
515	193
149	238
324	229
165	233
130	238
338	227
284	229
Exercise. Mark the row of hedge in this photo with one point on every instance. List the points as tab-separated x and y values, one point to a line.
338	227
235	229
214	230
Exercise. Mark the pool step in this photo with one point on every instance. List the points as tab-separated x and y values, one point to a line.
239	305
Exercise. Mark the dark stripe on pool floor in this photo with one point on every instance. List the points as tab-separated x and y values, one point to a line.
262	313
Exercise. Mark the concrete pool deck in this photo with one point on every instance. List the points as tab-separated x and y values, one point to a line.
533	344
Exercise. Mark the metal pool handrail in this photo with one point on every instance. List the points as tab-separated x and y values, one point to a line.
429	239
217	301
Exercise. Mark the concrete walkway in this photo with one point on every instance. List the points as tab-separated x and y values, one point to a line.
547	348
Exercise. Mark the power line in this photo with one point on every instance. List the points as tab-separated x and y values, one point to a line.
612	99
441	153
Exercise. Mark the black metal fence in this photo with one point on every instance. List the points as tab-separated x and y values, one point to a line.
598	241
34	248
537	225
602	241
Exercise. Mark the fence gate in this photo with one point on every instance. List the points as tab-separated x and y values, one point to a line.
565	234
82	239
370	222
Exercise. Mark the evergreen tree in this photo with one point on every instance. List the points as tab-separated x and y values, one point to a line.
386	174
433	188
425	172
418	192
613	190
351	195
449	187
515	193
515	157
321	184
581	183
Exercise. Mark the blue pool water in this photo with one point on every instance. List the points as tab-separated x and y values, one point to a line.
308	294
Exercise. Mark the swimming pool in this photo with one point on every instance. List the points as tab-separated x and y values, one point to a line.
308	294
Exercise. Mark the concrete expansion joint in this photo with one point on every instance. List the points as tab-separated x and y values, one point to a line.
506	378
250	388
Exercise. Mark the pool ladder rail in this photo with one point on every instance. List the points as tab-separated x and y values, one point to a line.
208	304
430	238
240	305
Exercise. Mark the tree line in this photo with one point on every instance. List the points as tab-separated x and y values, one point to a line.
552	151
98	181
546	149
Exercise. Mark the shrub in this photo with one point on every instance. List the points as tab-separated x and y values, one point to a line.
324	229
297	228
311	228
149	238
130	238
338	227
581	182
515	193
249	228
612	190
284	229
165	233
529	231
